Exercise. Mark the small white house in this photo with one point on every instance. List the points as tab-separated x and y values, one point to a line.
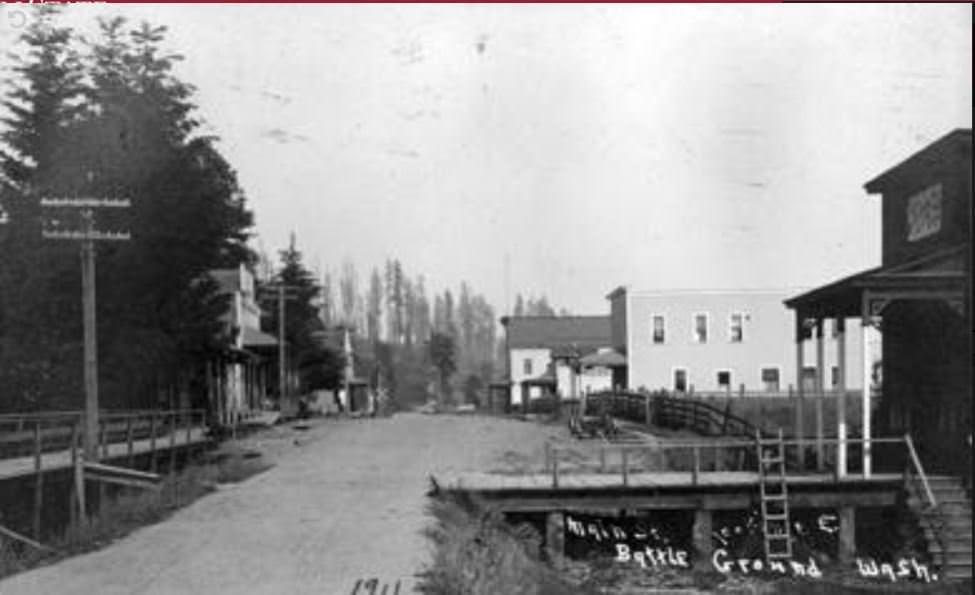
543	350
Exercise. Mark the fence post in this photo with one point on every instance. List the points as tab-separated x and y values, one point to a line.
128	438
172	441
79	480
104	435
38	481
189	429
555	470
626	470
73	495
152	441
697	464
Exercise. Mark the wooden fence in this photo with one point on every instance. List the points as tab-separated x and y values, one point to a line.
56	438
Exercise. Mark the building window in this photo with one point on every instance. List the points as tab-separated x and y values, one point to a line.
658	329
724	379
737	327
680	380
527	366
770	379
834	375
809	379
700	328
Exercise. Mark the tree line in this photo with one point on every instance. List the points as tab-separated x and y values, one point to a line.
414	342
107	117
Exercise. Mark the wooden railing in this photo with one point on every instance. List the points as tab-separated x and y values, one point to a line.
917	484
672	412
34	434
22	434
700	456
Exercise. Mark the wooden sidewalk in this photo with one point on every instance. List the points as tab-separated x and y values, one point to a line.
58	460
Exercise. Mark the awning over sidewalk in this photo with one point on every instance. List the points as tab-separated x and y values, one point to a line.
606	358
255	338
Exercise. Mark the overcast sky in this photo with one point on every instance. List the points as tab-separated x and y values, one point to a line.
676	146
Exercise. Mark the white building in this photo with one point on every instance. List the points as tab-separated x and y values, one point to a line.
721	341
542	350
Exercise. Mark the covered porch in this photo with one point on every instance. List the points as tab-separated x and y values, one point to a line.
923	383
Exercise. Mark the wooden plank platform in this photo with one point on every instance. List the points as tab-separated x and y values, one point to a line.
486	482
714	490
52	461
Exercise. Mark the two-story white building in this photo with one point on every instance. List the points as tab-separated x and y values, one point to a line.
548	355
709	341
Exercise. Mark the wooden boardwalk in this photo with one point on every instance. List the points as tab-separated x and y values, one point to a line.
499	482
61	459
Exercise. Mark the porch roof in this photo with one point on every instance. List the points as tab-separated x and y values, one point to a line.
255	338
547	378
936	275
609	358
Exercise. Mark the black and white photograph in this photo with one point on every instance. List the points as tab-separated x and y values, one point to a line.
485	299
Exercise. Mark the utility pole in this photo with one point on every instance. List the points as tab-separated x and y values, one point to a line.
282	292
87	235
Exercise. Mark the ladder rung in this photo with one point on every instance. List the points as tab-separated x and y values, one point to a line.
780	496
777	517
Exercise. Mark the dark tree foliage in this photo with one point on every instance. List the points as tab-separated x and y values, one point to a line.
442	352
320	365
108	117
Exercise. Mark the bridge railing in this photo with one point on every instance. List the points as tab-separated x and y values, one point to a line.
700	456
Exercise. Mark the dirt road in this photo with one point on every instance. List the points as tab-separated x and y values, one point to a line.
347	503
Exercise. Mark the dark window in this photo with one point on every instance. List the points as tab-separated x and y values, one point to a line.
835	376
770	379
658	329
737	328
528	365
724	379
700	328
680	381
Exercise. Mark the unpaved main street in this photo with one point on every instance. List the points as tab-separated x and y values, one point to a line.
346	503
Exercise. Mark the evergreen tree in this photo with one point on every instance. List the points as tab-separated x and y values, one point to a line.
116	122
441	349
374	305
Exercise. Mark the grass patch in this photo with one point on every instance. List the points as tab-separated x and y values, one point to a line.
131	509
477	553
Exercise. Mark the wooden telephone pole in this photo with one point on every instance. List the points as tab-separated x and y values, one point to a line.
87	235
282	292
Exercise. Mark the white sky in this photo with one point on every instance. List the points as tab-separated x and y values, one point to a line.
659	146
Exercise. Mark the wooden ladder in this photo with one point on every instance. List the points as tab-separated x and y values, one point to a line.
775	497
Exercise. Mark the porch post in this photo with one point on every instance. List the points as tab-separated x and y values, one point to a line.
865	387
800	390
820	392
841	396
